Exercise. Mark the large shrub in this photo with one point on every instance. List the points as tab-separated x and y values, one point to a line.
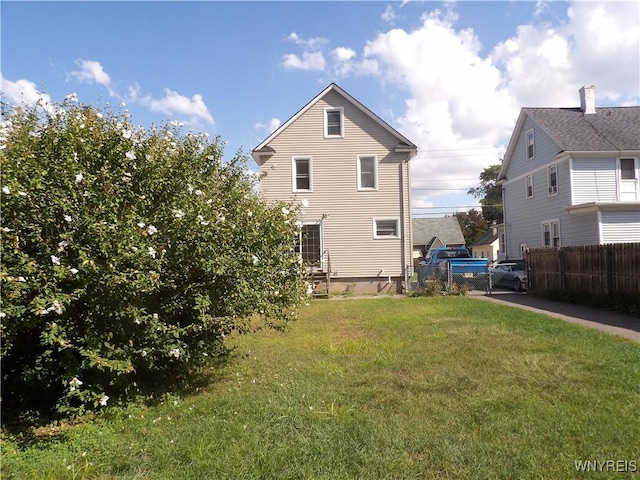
127	256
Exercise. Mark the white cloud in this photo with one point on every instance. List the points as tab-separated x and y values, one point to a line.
92	71
309	61
175	104
312	58
22	91
270	127
389	15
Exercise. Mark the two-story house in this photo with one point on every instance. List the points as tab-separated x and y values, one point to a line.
350	172
570	177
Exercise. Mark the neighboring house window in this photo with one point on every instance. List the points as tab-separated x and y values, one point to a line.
308	244
503	243
367	172
301	174
333	122
530	149
529	185
628	185
386	228
627	169
552	179
551	233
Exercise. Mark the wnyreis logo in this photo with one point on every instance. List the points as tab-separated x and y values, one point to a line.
606	465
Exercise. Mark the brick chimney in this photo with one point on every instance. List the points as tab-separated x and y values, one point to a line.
588	100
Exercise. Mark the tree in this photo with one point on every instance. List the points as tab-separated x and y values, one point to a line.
473	225
490	194
128	256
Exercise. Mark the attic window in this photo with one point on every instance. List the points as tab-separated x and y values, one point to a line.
333	122
530	149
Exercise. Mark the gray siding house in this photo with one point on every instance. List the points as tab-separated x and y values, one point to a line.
437	232
570	176
350	172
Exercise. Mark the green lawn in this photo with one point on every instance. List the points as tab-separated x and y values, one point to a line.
393	388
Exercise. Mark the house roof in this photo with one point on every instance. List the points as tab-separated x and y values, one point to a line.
487	238
404	144
610	129
447	229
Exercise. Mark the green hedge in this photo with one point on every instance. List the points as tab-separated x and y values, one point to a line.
127	256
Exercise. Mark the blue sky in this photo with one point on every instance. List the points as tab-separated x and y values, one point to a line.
451	76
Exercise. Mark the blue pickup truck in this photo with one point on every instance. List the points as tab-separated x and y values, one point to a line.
438	262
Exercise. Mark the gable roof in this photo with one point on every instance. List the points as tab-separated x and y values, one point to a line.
487	238
404	144
610	129
447	229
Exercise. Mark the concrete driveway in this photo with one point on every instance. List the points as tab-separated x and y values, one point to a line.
605	320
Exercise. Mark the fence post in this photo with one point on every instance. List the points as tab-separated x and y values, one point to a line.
608	268
561	267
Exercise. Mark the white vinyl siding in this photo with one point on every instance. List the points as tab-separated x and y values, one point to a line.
594	180
620	227
367	172
347	212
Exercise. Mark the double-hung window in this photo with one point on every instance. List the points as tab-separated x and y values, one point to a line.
333	122
301	174
386	228
367	172
551	233
530	146
552	179
529	185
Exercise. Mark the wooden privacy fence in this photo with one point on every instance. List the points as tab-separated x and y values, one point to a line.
612	269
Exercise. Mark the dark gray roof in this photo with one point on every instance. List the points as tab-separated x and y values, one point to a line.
447	229
487	238
610	128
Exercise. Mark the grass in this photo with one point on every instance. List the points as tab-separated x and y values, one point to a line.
393	388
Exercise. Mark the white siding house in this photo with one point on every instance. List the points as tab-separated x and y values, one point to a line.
570	176
351	172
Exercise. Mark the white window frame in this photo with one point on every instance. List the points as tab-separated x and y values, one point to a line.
375	172
528	183
552	188
294	173
550	224
327	110
529	141
386	219
523	251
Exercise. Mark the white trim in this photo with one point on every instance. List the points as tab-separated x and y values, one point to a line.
635	179
526	144
375	173
551	222
294	173
552	189
326	123
526	186
385	219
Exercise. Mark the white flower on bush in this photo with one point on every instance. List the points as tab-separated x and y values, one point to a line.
62	245
152	252
178	213
285	211
143	353
6	190
72	97
155	316
151	230
74	383
255	259
68	218
174	353
104	400
198	192
79	178
141	224
22	279
55	260
22	194
130	155
73	270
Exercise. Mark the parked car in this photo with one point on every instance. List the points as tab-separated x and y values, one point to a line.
509	275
